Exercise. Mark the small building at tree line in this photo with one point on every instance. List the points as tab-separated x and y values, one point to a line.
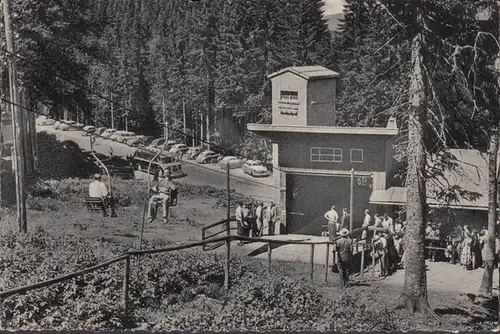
313	158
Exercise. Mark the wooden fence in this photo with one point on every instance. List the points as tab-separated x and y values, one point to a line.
125	259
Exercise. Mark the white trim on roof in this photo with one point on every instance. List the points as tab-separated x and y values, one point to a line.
307	72
322	129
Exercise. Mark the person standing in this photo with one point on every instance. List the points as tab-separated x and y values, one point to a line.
343	247
388	223
239	220
345	220
332	217
270	217
366	224
398	235
258	222
380	253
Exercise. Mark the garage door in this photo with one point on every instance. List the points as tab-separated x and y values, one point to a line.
309	197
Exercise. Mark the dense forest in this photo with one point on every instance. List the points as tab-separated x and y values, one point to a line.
201	66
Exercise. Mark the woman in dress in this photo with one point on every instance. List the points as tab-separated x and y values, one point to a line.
466	255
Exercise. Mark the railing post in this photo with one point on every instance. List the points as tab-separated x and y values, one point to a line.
312	261
203	237
362	271
126	278
269	256
326	262
373	261
226	263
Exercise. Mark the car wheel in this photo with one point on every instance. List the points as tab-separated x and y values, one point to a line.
204	161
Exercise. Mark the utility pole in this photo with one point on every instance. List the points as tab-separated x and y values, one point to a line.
165	133
184	117
351	202
112	113
17	125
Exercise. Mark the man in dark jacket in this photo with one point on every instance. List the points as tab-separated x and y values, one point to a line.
343	246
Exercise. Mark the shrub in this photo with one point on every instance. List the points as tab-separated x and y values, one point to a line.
255	304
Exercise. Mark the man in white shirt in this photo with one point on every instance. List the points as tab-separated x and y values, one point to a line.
239	220
97	189
366	224
333	222
388	223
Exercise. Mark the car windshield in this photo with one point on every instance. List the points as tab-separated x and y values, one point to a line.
253	163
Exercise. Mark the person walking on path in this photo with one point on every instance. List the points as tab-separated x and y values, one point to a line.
343	247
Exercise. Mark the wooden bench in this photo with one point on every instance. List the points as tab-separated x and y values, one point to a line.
94	203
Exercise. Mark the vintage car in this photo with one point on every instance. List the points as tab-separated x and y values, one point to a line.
178	148
139	140
66	125
254	168
122	136
100	130
193	152
108	133
232	161
207	157
87	130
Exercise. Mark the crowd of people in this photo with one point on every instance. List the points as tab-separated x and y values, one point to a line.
386	235
255	219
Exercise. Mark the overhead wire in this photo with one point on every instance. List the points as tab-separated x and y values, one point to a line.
143	148
211	144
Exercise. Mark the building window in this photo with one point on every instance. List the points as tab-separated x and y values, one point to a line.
356	155
289	95
326	154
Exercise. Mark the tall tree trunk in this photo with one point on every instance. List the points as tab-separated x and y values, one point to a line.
489	245
414	294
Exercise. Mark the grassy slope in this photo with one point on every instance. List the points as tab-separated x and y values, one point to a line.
58	209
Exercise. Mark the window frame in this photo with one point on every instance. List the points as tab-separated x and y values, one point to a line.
362	155
286	94
337	154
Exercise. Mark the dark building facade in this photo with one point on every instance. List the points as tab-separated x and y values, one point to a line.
313	158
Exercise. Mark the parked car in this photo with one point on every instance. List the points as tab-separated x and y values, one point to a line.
107	133
254	168
67	126
78	126
171	144
157	142
193	152
139	140
232	161
178	148
87	130
44	121
123	136
206	157
100	130
117	166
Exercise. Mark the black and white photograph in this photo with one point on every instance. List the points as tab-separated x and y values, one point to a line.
250	165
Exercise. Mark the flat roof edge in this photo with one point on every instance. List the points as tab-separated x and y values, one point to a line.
325	130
